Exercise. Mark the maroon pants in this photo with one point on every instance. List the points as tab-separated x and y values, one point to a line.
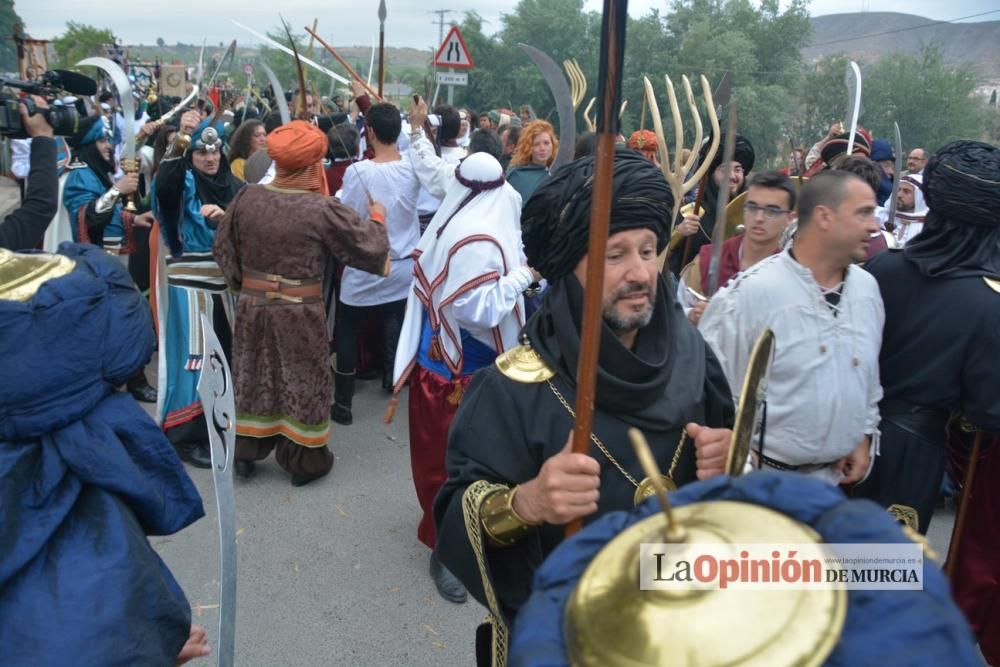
976	582
433	404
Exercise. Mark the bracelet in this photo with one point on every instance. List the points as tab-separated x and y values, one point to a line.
504	527
377	217
532	290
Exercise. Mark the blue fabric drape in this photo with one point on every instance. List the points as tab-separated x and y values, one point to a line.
85	476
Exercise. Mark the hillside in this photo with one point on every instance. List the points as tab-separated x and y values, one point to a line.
358	56
978	43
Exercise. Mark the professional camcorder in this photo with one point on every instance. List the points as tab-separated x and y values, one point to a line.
50	85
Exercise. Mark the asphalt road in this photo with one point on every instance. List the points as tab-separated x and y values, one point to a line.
330	573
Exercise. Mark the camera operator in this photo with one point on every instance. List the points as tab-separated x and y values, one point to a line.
25	227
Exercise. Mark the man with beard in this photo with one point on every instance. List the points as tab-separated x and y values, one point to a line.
191	190
826	314
698	227
93	200
910	211
939	352
513	482
273	245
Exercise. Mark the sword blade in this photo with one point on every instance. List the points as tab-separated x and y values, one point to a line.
124	88
279	94
853	80
285	49
215	387
557	83
719	228
896	176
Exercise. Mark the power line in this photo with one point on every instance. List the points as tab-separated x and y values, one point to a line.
897	30
440	22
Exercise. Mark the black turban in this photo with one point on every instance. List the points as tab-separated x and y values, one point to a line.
961	234
742	152
555	221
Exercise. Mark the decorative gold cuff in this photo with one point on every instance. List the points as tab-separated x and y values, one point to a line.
503	526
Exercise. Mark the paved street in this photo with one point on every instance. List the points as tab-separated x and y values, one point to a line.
330	573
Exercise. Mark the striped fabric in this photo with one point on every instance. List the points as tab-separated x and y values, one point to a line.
266	426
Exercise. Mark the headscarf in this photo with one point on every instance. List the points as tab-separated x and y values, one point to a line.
961	235
84	140
644	141
297	149
555	221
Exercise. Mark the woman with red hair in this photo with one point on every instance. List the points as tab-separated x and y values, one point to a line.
533	155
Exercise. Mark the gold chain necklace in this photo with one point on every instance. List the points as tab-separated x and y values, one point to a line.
645	488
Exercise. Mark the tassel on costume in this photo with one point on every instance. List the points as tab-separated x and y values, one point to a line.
390	412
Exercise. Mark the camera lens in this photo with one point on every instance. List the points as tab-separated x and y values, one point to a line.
62	120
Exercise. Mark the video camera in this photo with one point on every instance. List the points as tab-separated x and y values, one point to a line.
50	85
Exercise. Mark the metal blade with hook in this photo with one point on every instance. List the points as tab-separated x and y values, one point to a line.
215	387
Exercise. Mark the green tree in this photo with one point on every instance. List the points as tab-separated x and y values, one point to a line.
933	102
10	23
822	99
80	41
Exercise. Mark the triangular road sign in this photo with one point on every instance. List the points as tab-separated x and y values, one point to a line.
453	52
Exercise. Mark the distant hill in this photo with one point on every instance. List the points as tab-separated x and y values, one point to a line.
978	43
356	55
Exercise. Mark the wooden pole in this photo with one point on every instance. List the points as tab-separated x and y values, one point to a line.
381	47
609	92
350	70
963	507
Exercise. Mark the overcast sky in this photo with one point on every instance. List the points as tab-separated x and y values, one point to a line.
410	23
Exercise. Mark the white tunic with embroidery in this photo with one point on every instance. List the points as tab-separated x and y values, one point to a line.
823	390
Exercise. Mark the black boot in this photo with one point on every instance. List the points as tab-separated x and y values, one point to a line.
244	469
195	453
140	388
343	396
448	585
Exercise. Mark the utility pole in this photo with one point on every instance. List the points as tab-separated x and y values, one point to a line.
440	21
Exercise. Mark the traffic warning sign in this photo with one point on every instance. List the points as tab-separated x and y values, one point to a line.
453	52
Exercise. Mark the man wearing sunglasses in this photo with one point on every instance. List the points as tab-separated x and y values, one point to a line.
767	211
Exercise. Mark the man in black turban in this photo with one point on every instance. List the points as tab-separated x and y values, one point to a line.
942	327
699	227
512	481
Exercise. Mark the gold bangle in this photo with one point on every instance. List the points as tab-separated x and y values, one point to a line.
503	525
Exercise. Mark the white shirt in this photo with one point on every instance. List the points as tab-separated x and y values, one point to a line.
395	186
431	193
823	390
20	157
436	174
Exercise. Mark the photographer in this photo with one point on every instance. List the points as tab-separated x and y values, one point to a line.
25	227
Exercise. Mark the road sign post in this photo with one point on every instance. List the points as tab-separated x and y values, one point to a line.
453	54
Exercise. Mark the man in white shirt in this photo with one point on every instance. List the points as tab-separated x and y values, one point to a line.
826	314
388	178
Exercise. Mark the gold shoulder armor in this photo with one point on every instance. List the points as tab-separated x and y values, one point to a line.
523	364
22	275
993	283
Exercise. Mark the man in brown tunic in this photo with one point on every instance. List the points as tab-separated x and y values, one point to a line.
272	246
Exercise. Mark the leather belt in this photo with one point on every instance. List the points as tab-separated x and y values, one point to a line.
926	423
276	288
781	465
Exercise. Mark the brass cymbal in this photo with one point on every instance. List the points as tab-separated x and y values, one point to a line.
22	274
610	622
751	401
